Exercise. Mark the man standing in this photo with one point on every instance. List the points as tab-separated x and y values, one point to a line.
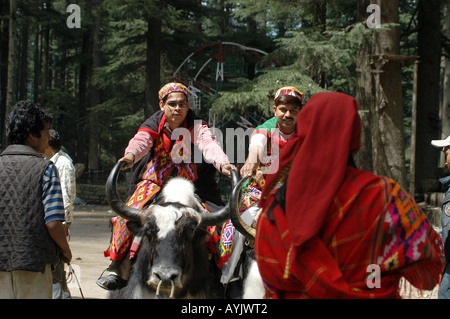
444	288
66	172
32	235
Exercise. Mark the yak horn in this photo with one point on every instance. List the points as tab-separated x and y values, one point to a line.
112	196
236	219
222	215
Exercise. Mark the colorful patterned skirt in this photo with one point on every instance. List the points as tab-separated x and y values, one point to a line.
122	238
251	194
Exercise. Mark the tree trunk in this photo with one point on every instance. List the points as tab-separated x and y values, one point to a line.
429	48
365	94
45	64
37	63
23	78
320	15
94	128
4	40
12	56
388	133
446	87
153	66
82	138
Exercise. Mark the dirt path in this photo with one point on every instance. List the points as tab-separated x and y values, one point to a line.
90	235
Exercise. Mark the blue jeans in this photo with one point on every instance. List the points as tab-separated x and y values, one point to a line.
60	290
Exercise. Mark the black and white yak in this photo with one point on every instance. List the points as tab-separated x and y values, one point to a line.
172	261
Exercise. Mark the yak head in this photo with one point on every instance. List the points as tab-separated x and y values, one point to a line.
173	253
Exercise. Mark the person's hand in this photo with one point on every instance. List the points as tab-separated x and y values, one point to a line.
248	169
66	255
128	159
226	169
66	229
252	162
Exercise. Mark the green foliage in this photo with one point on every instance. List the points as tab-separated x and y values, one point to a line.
311	58
319	55
257	95
276	16
315	41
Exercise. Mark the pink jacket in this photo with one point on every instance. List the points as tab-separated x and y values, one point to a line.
202	136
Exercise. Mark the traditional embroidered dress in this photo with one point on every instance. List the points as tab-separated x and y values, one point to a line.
167	158
251	189
328	222
268	137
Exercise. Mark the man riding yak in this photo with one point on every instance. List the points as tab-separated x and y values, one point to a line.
164	156
265	144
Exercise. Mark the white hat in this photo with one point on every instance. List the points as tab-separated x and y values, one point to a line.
441	143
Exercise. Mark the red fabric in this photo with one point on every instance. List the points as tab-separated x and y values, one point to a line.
338	219
314	269
356	233
328	130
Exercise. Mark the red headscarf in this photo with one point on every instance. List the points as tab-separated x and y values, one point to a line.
316	157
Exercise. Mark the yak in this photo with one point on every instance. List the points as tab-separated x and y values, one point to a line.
173	258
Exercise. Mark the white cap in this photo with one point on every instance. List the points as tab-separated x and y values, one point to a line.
441	143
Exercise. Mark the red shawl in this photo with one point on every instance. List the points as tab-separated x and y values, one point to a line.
339	220
328	130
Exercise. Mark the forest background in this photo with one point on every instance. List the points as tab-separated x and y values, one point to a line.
98	67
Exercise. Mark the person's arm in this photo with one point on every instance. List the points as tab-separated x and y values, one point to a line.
54	210
211	149
138	146
252	162
256	149
58	234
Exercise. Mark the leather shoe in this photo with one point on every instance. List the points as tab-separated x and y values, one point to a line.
111	282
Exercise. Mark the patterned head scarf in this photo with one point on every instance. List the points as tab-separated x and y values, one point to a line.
172	87
290	90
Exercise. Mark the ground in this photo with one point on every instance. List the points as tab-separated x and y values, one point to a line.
89	237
